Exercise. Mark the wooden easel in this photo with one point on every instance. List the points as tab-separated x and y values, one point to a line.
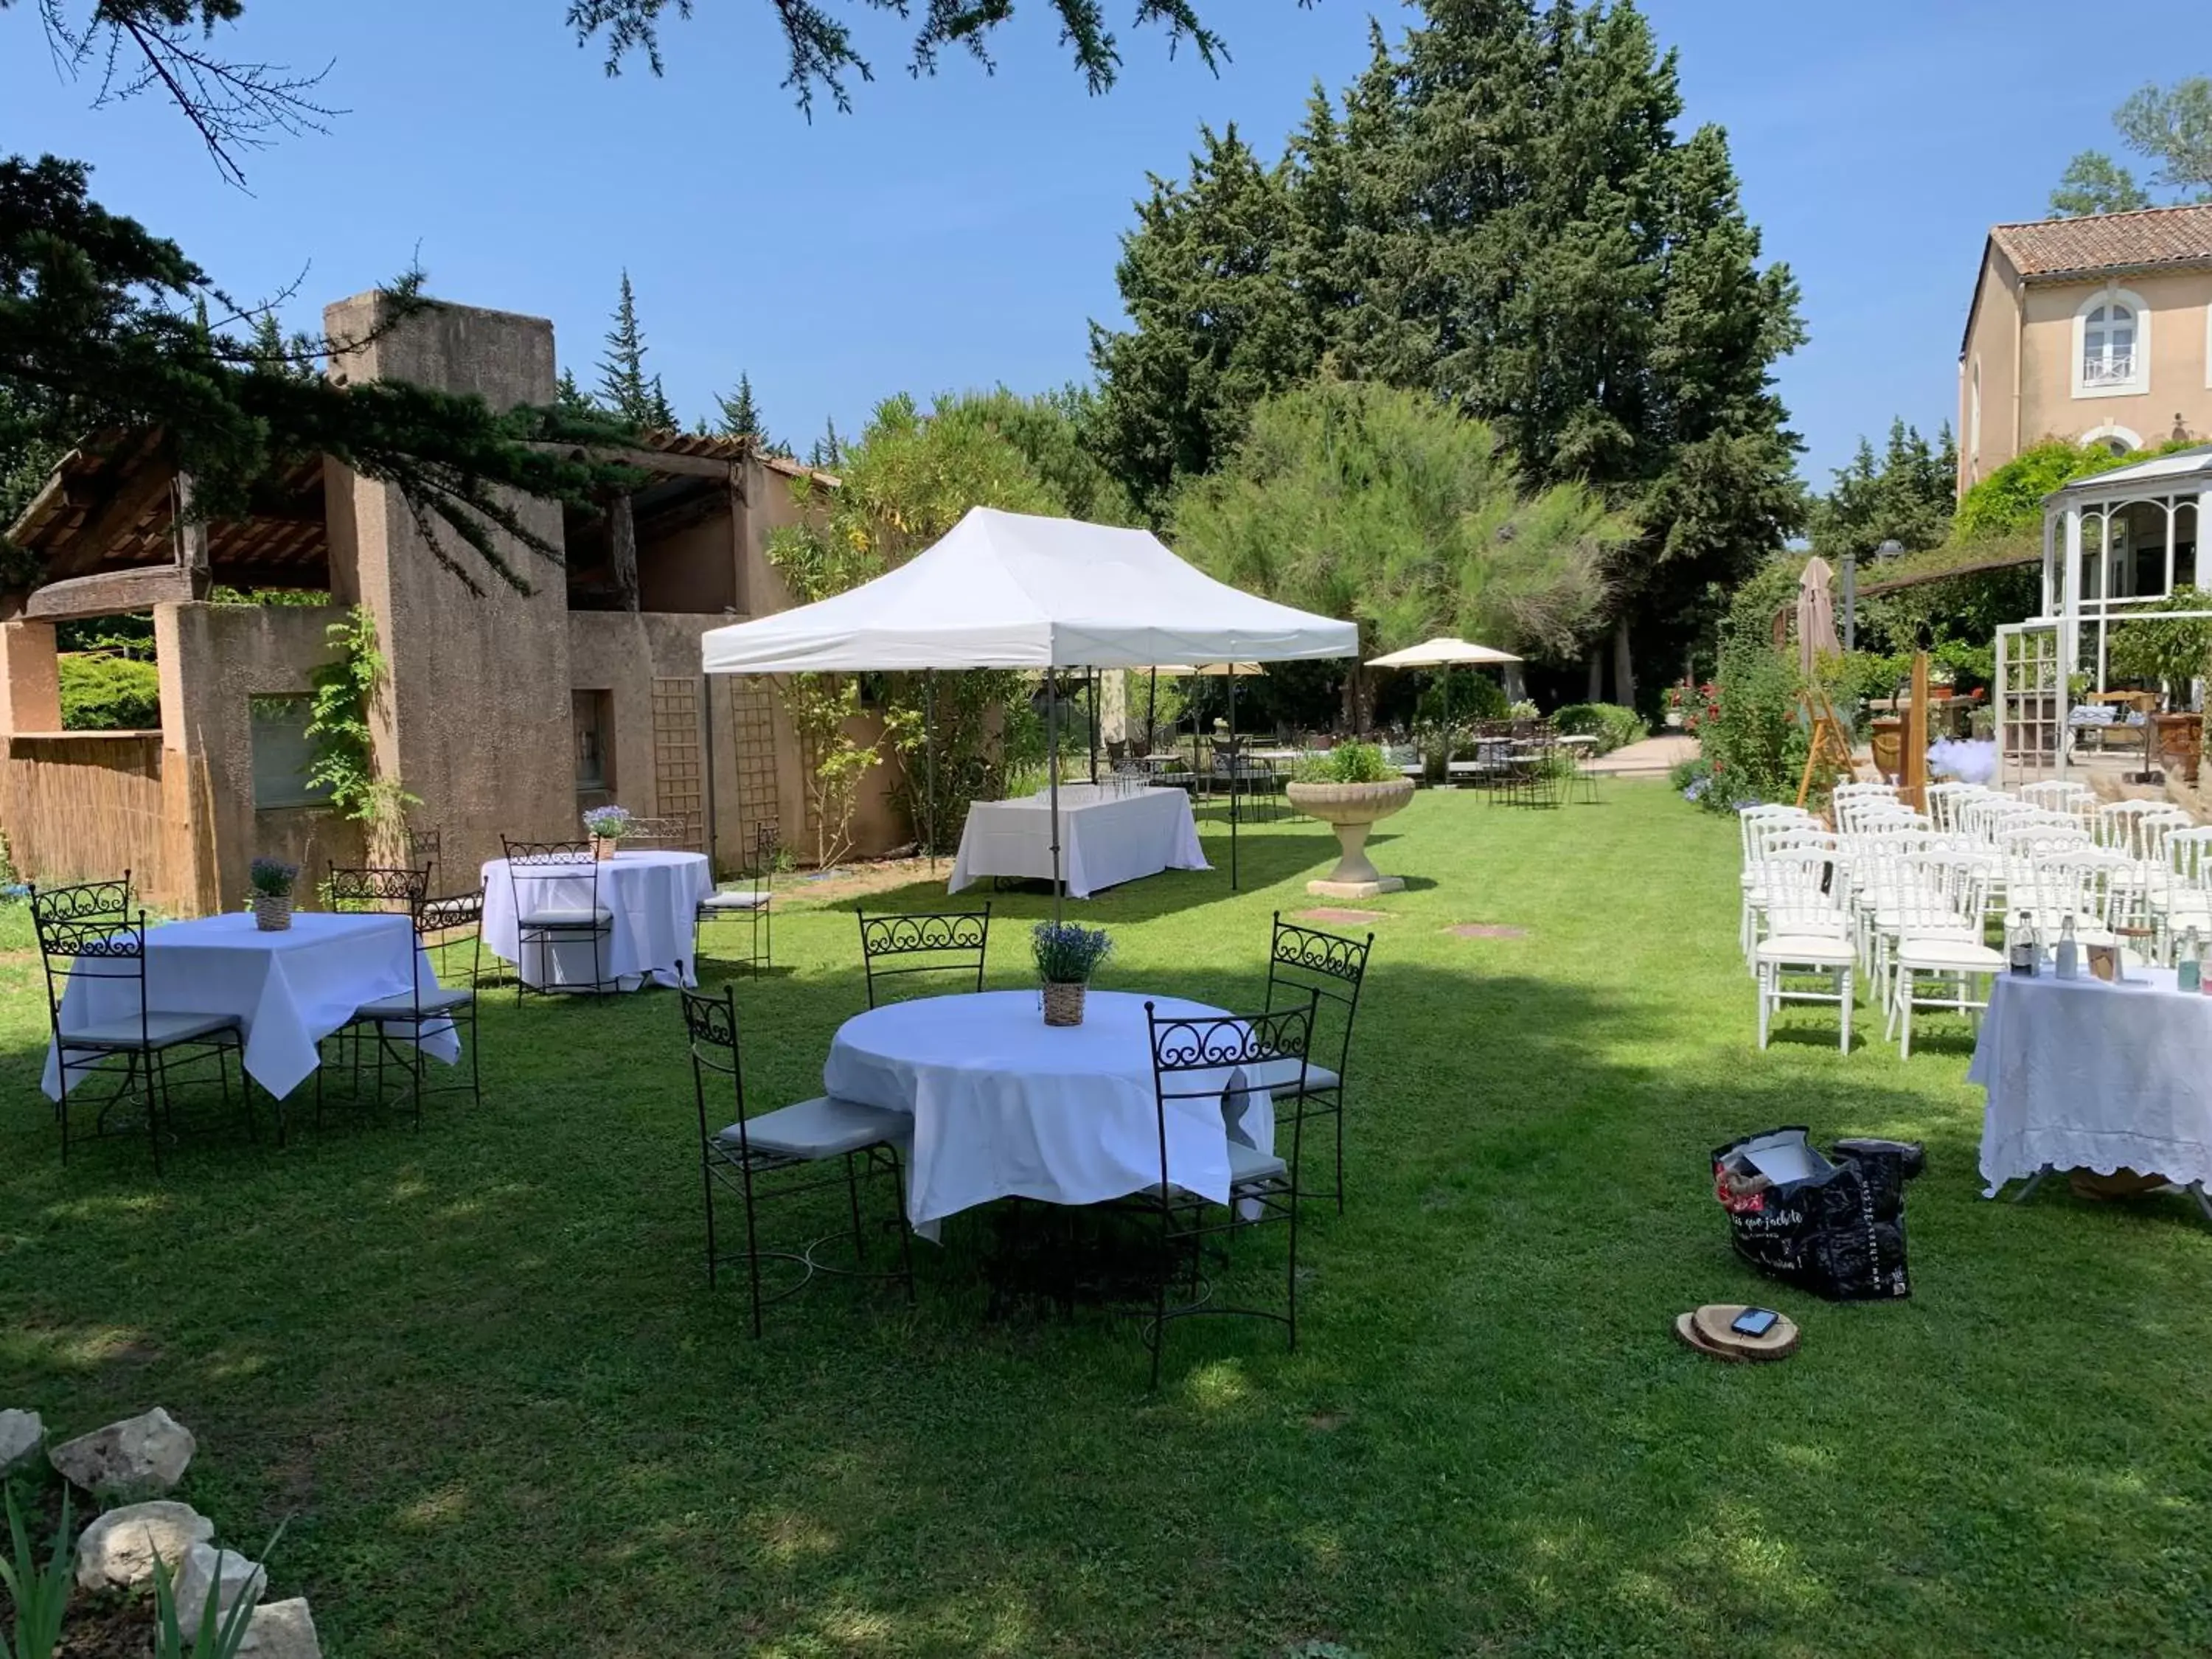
1831	744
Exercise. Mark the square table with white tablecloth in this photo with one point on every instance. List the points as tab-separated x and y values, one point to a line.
289	989
1005	1106
1107	835
2083	1075
653	900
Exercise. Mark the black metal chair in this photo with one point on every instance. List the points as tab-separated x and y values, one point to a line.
422	845
940	942
395	1023
1194	1058
811	1137
755	902
1330	968
91	942
545	918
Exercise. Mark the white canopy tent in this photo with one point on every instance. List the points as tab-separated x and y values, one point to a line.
1011	590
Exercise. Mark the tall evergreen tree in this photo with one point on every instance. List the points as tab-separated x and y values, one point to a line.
1503	215
828	451
626	392
740	412
1905	495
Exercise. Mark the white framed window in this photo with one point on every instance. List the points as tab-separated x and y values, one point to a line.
2116	438
2111	345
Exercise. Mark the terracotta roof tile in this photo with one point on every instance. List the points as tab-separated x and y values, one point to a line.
2108	241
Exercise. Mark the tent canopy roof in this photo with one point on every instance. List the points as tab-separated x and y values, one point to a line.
1010	590
1438	653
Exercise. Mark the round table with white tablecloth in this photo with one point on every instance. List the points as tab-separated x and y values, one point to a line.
1005	1106
2083	1075
651	899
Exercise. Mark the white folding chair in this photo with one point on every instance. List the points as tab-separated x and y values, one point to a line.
2075	884
1808	937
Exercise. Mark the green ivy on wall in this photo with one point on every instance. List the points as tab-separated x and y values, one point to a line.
342	692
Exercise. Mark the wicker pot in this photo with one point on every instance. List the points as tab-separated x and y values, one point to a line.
1063	1002
605	847
2181	742
1351	810
272	911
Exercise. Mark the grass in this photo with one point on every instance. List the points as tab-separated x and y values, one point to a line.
479	1370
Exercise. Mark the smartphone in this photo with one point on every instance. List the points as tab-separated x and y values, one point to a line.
1754	1322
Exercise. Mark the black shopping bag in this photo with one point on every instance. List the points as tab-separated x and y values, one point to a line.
1835	1227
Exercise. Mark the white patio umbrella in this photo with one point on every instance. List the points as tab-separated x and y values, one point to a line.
1444	652
1011	590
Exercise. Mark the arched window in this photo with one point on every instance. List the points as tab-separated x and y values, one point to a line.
2111	355
2114	438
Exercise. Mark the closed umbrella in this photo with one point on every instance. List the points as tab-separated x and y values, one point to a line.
1816	616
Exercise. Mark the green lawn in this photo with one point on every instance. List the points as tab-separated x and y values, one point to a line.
479	1369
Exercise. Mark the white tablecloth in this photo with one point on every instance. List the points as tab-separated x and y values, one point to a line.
289	989
1105	838
2082	1075
1006	1106
655	899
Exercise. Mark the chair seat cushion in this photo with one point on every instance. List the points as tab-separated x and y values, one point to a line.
1249	1163
1809	948
746	901
1281	1077
160	1029
824	1127
579	917
436	1000
1936	952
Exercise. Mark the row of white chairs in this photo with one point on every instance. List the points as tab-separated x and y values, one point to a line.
1903	901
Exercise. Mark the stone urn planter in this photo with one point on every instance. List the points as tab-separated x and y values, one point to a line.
2181	742
1351	810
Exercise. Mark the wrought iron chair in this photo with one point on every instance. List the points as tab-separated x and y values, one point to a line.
941	942
811	1136
544	919
422	845
1194	1058
755	902
675	834
1330	968
92	946
396	1023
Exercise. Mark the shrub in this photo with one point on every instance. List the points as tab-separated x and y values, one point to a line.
109	693
1750	733
1348	763
1612	725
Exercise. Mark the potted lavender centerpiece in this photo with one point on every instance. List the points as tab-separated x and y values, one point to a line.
273	880
1066	956
607	825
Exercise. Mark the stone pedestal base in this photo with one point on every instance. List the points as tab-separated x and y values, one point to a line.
1356	890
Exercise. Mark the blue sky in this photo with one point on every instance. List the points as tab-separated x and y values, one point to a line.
962	231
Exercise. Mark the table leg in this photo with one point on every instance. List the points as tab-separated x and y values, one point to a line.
2033	1181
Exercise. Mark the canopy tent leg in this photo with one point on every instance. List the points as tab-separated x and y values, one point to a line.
1052	777
1091	694
1233	769
929	762
1152	707
706	734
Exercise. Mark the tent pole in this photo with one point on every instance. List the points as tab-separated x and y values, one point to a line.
1152	709
1234	768
1052	776
929	758
707	716
1090	687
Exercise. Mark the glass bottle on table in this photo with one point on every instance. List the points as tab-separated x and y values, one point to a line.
2189	968
2019	945
2069	960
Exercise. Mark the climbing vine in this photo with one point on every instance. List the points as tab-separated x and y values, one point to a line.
343	694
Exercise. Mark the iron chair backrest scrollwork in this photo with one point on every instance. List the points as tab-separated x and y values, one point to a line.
940	942
710	1026
376	888
1331	965
421	845
88	930
1196	1058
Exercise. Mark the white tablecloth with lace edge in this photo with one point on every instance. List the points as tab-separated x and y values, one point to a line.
2083	1075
